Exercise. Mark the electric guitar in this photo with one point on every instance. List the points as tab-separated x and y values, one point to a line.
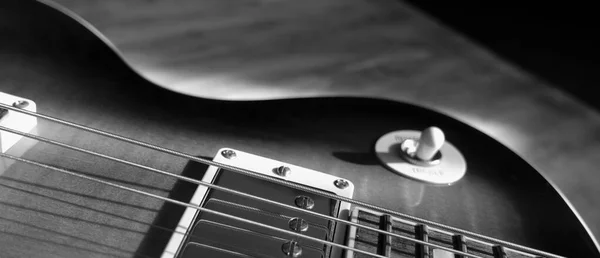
99	162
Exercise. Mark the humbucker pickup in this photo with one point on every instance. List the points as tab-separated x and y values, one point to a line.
202	234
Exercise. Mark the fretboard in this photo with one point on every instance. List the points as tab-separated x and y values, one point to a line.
389	246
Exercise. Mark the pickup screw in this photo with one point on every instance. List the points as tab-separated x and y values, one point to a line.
229	154
304	202
291	249
298	225
282	171
21	104
341	183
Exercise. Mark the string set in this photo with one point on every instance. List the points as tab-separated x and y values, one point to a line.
242	194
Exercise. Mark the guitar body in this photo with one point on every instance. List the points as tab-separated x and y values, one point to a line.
47	57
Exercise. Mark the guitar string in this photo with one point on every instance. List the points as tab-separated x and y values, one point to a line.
284	183
277	181
250	232
224	189
199	208
261	212
223	251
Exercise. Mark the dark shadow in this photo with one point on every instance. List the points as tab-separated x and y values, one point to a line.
359	158
554	41
115	180
163	226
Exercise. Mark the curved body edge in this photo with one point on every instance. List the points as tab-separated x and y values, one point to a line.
79	78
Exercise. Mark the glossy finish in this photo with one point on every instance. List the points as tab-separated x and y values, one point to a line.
262	49
72	75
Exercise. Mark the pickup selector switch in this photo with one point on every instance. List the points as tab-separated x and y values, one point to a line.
430	142
424	151
423	155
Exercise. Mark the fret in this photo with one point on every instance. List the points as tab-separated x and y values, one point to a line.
479	248
459	244
443	243
385	241
422	233
499	252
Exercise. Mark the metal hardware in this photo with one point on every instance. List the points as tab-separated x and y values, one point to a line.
344	195
291	249
409	149
298	202
229	154
20	104
298	224
282	171
385	241
395	149
305	202
341	183
16	121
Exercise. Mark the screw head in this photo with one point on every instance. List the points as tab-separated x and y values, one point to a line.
291	249
304	202
282	171
341	183
21	104
229	154
298	224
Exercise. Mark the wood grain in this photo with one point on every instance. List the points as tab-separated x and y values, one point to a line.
256	49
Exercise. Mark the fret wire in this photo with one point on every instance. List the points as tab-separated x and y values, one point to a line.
217	187
459	243
499	252
284	183
166	199
422	233
385	241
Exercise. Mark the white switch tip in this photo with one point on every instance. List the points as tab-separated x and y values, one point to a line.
431	141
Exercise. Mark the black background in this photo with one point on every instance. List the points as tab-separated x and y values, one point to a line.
555	41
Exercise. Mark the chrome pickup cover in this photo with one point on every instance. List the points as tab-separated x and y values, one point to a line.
201	234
